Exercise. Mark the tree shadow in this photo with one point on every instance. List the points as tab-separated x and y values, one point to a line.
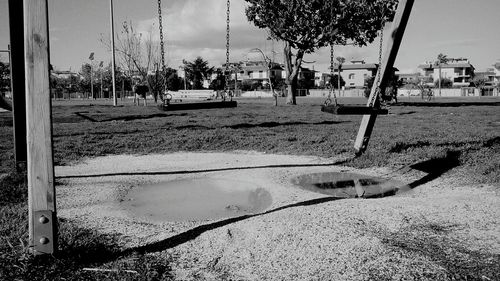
129	117
278	124
402	146
192	234
435	167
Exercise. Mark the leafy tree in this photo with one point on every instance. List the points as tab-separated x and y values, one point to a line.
197	71
4	78
4	86
84	83
306	25
391	91
479	82
219	82
445	83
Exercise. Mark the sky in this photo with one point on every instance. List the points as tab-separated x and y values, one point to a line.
457	28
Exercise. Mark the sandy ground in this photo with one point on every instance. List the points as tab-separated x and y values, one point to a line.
302	236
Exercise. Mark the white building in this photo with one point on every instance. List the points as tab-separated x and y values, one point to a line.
460	71
496	71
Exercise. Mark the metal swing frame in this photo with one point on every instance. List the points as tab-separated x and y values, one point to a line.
167	105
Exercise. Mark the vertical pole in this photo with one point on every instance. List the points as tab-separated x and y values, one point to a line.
386	69
338	78
17	82
41	192
113	79
101	94
91	79
439	78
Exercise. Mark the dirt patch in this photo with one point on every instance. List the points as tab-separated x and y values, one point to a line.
301	235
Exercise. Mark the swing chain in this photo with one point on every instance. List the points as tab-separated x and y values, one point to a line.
328	101
227	76
162	47
379	73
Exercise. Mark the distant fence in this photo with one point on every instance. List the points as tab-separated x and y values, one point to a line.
454	92
351	93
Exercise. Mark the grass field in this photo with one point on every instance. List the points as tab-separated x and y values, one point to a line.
412	133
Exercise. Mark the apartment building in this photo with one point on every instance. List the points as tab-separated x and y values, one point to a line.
460	71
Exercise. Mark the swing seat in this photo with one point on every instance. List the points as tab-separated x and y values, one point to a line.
353	110
197	105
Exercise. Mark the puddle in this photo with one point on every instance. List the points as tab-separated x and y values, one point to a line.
196	200
349	185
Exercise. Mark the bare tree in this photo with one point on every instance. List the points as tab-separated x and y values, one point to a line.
138	57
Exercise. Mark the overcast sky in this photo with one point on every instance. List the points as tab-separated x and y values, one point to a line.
458	28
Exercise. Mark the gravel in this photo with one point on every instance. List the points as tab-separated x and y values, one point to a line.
302	235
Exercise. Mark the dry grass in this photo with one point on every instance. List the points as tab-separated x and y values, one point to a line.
409	135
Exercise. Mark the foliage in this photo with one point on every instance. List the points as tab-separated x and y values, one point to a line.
197	71
306	25
442	59
333	81
445	83
174	82
4	77
251	85
219	82
479	82
391	91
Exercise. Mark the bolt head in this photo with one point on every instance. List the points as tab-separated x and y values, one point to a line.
43	219
44	240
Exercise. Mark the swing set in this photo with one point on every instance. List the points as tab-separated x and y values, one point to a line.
29	33
168	105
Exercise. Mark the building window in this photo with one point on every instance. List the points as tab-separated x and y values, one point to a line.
261	73
351	76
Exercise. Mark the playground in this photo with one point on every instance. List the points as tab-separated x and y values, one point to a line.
442	224
240	188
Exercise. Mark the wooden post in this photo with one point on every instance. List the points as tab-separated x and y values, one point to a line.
17	82
386	68
41	192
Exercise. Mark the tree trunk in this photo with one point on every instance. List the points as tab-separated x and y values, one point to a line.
292	92
292	72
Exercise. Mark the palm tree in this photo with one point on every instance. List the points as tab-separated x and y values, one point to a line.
441	59
196	71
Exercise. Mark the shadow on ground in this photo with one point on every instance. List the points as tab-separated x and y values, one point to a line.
434	169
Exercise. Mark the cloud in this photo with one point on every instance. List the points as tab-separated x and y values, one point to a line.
198	28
